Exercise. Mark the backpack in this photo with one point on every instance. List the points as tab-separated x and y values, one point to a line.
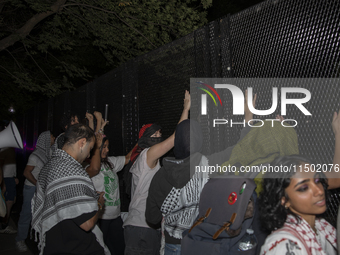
226	211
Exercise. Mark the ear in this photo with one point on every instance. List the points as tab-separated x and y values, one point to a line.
81	142
284	202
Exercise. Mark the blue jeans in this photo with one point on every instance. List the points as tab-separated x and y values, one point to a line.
25	215
172	249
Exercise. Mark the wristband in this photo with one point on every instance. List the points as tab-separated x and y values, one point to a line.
100	206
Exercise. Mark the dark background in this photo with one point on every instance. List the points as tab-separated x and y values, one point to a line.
274	39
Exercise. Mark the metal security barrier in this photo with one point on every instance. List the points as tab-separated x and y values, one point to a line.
275	39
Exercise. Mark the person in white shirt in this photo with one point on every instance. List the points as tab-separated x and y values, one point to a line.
140	239
110	221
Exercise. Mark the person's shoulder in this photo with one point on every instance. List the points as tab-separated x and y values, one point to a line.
282	242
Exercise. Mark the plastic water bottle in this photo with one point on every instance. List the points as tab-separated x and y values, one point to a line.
248	241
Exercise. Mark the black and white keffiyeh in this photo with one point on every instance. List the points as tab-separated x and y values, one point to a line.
180	207
42	148
59	142
63	191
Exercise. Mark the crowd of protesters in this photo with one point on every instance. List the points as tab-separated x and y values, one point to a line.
72	197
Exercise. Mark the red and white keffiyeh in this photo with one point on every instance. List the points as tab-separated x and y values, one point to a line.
308	235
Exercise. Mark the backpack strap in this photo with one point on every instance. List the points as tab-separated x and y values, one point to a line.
225	226
200	220
296	234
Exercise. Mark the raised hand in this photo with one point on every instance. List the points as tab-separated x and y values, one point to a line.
187	101
336	123
89	116
98	115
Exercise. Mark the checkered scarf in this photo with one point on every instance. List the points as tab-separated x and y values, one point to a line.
42	149
64	191
59	142
308	235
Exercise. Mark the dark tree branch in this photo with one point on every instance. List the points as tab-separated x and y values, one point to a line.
36	63
101	9
29	25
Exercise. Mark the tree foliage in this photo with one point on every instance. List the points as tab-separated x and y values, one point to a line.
49	46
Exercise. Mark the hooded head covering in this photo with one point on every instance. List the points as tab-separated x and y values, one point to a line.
42	149
188	139
145	139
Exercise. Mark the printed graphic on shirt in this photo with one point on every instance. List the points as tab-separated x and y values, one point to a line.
110	187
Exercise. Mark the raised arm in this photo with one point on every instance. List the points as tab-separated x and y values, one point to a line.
99	118
89	117
158	150
94	167
333	177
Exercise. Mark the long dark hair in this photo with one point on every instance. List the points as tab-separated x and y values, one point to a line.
105	161
272	213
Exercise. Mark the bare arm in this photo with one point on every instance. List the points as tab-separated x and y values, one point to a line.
94	167
28	174
158	150
99	118
333	177
89	224
89	117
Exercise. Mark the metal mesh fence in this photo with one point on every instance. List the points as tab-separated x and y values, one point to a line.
275	39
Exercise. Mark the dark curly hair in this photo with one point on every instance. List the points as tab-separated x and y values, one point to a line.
272	213
105	161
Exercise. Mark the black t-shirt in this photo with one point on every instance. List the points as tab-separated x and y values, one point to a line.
67	237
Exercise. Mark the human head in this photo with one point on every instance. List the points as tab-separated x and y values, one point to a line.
292	192
79	140
104	150
68	120
188	139
149	135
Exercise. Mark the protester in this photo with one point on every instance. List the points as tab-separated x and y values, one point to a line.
10	181
66	121
290	205
109	222
139	237
36	161
65	207
175	189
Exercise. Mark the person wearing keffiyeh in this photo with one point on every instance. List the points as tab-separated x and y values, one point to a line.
290	205
36	161
66	206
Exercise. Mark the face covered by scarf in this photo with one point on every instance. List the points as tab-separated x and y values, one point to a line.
188	139
145	139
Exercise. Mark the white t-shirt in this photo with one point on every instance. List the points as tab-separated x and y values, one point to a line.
9	167
107	181
33	160
142	175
